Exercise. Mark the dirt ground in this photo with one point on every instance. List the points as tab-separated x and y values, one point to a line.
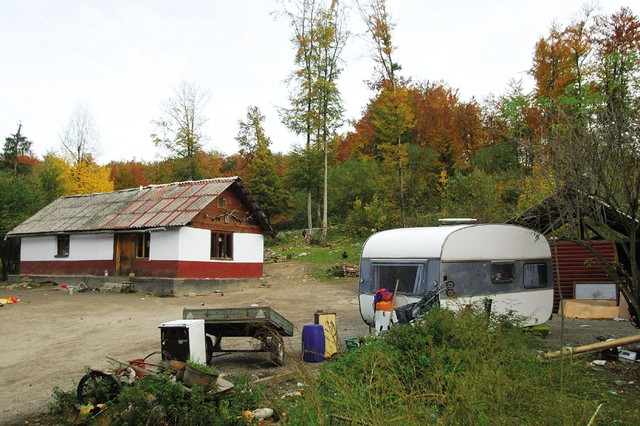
50	337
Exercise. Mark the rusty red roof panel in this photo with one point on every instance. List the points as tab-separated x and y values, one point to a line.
151	206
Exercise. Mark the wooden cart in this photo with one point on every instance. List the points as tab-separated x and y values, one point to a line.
261	323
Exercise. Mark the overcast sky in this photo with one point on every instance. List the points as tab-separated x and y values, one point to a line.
123	58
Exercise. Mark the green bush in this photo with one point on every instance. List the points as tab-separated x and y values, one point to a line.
448	368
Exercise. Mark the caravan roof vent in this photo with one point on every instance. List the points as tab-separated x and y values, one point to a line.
457	221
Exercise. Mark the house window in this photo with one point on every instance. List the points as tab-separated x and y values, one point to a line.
535	275
221	245
222	202
62	246
142	245
503	272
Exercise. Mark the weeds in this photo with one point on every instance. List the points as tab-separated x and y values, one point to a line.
449	368
445	368
160	400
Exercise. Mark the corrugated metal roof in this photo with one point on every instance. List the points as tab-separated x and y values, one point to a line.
152	206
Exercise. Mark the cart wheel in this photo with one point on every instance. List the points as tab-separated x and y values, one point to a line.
97	387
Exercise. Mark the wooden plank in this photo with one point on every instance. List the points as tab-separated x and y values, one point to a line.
591	309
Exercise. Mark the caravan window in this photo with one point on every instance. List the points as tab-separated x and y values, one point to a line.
503	272
409	276
535	275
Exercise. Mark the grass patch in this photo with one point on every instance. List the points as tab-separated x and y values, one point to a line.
292	244
326	259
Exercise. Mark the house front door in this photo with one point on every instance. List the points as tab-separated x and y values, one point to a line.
125	253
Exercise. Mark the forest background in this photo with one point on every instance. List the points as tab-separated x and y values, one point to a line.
417	153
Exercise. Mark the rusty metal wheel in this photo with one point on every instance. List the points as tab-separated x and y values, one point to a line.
97	387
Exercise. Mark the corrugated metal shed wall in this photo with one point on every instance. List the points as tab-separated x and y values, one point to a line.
572	267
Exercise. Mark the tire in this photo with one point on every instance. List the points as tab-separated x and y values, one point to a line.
97	387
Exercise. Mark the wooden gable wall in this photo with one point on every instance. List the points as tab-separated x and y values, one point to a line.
232	215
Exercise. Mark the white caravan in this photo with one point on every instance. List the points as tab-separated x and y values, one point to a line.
502	268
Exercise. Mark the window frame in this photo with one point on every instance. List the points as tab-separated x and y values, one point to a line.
221	242
419	282
544	275
496	276
143	245
63	243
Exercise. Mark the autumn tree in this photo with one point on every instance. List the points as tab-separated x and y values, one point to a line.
474	195
210	163
180	130
319	36
251	134
129	174
593	149
80	143
356	178
16	147
394	118
443	122
262	179
513	123
88	177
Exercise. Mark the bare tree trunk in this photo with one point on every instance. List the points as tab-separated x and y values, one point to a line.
325	197
403	213
309	215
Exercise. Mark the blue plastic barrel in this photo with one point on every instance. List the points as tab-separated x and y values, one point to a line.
313	343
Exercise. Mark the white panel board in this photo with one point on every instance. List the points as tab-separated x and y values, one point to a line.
596	291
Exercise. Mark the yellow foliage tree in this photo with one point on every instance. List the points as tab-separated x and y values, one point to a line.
536	187
87	177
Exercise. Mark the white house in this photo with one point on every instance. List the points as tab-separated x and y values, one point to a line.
199	229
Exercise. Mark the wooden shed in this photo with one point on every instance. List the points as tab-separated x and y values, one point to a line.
585	270
198	229
578	274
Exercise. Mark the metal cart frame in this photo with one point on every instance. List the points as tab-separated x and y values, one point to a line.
261	323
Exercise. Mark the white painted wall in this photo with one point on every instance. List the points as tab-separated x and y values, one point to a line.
191	244
38	248
164	245
195	244
81	247
248	247
90	247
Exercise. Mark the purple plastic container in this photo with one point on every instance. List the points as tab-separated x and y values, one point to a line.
313	345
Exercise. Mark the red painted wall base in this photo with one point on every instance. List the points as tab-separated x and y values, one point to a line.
145	268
